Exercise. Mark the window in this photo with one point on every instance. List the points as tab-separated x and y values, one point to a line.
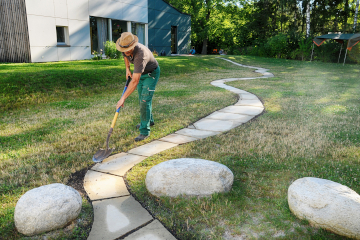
62	36
138	29
118	27
99	33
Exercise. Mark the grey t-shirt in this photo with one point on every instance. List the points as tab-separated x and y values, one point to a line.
143	59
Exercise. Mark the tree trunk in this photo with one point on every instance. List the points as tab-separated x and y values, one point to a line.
308	20
204	48
346	15
205	41
355	16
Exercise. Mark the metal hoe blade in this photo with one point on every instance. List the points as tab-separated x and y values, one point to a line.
102	154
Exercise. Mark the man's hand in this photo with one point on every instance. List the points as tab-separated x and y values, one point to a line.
120	103
132	86
128	73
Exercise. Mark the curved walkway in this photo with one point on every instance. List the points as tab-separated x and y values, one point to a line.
116	213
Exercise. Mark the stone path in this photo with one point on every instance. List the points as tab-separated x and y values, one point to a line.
116	213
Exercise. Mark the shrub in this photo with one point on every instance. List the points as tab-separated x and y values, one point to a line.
97	56
304	49
276	46
111	51
328	51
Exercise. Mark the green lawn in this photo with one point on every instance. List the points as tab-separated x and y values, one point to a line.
54	116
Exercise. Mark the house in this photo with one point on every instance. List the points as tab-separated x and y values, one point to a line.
64	30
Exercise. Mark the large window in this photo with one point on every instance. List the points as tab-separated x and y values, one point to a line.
138	29
98	33
118	27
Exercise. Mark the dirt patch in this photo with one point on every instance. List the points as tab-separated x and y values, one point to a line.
76	181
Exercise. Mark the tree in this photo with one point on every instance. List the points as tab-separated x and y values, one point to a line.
205	16
308	19
355	16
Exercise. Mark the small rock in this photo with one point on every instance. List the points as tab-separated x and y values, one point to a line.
326	204
47	208
188	176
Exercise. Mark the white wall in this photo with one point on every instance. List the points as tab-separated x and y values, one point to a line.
44	15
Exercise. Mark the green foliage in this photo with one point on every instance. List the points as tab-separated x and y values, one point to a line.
111	51
259	27
304	50
277	45
97	55
328	52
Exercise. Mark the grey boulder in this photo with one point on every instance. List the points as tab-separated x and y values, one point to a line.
46	208
326	204
190	177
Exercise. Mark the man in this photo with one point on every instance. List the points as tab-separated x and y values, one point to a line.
145	77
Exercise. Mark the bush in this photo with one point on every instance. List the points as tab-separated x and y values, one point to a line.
328	51
97	56
111	51
304	49
276	46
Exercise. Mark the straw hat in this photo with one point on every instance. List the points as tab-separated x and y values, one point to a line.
126	42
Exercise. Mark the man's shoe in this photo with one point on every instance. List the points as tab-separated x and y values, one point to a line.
140	138
138	126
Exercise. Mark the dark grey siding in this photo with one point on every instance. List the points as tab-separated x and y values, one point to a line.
161	17
14	36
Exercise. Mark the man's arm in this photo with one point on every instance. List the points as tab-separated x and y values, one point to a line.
127	67
132	86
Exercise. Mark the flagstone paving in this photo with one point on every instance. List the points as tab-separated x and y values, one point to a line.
119	215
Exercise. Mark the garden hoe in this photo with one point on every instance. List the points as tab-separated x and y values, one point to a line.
101	154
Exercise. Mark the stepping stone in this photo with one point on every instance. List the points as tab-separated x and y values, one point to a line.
254	103
154	231
230	79
247	110
218	81
230	116
178	139
230	88
218	84
261	70
196	133
152	148
248	96
214	125
118	164
267	74
101	185
239	79
238	91
115	217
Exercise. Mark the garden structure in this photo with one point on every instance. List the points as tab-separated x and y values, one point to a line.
352	39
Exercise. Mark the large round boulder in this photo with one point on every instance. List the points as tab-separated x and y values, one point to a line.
326	204
190	177
47	208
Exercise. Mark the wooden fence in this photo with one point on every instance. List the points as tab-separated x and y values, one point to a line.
14	34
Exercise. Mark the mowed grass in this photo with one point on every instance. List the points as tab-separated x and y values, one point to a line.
310	128
54	117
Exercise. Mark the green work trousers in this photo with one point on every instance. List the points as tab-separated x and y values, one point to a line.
146	89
